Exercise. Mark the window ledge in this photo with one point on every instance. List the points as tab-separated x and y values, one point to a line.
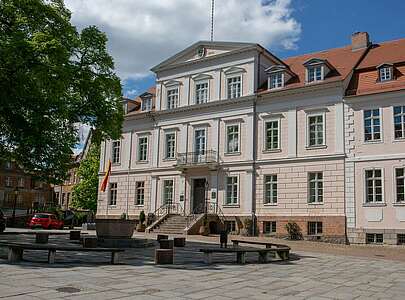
374	204
316	147
399	140
398	204
139	205
116	164
112	205
232	153
272	150
169	159
231	206
270	204
373	142
315	235
143	162
315	203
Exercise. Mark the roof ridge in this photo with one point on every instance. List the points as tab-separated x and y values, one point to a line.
315	52
390	41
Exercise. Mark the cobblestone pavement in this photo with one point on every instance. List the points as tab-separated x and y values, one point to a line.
308	275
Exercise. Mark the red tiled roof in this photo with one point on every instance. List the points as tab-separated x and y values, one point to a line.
343	60
138	101
365	78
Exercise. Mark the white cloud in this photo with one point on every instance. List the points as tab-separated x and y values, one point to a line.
142	33
131	93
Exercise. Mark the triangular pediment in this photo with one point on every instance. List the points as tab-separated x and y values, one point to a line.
201	51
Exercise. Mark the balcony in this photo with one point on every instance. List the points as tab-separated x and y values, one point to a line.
207	159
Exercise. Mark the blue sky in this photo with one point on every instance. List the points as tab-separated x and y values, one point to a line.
326	24
143	33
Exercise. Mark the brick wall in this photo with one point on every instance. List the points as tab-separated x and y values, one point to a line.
334	227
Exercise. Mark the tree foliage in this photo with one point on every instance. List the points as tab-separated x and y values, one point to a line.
84	194
52	77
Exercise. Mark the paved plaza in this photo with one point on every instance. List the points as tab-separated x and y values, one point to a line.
309	275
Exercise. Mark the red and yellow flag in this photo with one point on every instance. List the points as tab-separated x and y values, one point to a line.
106	177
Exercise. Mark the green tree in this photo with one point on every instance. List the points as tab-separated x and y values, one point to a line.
52	77
84	194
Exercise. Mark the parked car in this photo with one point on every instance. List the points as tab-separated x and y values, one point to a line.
2	221
46	221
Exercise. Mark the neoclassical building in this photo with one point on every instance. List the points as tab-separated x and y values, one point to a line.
233	130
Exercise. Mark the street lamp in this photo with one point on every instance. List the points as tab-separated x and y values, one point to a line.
14	205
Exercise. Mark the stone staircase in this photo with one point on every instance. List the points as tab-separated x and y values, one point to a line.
173	224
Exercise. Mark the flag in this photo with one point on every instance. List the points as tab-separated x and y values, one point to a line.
106	177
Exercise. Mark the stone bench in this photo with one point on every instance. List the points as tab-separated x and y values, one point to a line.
281	251
15	251
164	256
179	242
162	237
41	237
240	253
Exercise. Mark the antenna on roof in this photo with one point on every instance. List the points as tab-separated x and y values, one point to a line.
212	20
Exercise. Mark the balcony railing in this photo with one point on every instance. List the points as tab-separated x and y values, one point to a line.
197	158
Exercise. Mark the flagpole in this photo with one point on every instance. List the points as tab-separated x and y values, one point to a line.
129	168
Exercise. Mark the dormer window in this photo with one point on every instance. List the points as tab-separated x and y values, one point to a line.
279	75
317	69
385	72
315	73
146	104
276	80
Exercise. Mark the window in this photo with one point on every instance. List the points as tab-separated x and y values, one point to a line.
143	148
374	238
230	226
270	189
315	73
113	193
385	73
8	165
316	130
232	135
276	80
168	191
400	184
116	152
170	145
140	193
67	199
315	187
9	181
314	228
234	87
201	92
272	135
172	98
372	125
374	190
401	239
269	227
63	198
146	104
21	182
231	190
399	122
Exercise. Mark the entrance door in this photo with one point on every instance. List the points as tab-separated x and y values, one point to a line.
199	145
198	195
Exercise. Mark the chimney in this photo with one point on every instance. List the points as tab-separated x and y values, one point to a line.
360	40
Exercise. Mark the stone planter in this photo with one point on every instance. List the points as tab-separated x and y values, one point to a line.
115	228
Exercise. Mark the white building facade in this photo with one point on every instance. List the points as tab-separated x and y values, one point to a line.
233	130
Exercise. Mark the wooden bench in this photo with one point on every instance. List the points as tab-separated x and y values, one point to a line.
241	253
281	251
15	251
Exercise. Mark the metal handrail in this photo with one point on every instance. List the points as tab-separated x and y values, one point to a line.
212	208
169	208
200	157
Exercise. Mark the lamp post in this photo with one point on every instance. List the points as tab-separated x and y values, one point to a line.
206	197
14	206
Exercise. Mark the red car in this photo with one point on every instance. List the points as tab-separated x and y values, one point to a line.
46	221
